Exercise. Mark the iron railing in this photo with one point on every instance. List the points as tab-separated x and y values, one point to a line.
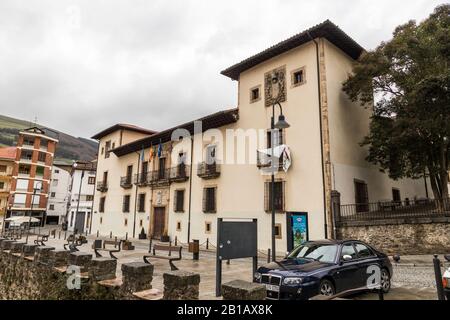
140	178
125	182
264	161
385	210
179	173
102	186
208	171
158	177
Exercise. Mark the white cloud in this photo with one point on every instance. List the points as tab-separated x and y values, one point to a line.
82	65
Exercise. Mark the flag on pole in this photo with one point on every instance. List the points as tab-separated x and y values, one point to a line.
159	149
142	155
151	153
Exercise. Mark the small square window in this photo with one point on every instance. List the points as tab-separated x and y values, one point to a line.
178	225
141	223
126	222
101	220
255	94
278	231
298	77
207	227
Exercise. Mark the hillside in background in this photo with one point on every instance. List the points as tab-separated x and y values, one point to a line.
68	148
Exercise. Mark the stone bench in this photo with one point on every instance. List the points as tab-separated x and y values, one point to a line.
243	290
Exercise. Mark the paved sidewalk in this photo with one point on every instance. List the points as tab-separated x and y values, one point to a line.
413	276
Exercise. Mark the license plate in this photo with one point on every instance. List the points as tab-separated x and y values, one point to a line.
271	287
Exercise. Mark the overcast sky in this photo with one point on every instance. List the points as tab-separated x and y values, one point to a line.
80	66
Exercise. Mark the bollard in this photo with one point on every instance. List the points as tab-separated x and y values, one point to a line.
438	275
150	245
207	243
196	251
65	235
228	261
176	240
268	255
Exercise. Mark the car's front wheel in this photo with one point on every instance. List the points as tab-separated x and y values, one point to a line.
326	288
385	281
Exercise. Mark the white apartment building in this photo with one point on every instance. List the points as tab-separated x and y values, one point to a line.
58	198
81	196
183	187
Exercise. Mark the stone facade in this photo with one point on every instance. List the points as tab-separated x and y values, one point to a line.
243	290
399	237
181	285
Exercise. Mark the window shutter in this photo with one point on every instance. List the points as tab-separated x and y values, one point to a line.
213	200
175	201
267	196
204	199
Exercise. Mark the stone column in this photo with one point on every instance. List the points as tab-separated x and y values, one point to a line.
243	290
137	276
6	245
81	259
42	254
103	269
181	285
29	250
59	258
17	247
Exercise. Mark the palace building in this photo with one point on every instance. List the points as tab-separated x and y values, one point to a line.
171	185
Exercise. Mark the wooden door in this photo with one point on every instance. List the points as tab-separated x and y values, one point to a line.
361	196
159	222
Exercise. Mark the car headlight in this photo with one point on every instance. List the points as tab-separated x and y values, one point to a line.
292	281
257	276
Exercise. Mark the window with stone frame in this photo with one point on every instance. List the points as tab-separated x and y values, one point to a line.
126	203
255	94
178	201
141	202
298	77
101	205
209	200
91	180
279	196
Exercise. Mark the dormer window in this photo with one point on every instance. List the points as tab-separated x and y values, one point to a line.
255	94
298	77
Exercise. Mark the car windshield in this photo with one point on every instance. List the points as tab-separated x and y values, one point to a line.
315	251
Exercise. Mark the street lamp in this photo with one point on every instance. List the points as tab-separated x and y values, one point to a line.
37	187
75	165
281	124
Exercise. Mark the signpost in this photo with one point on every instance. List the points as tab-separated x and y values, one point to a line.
235	240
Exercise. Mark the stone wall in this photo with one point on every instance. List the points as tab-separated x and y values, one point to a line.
421	236
40	273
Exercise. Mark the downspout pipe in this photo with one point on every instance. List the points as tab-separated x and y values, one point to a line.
190	190
321	135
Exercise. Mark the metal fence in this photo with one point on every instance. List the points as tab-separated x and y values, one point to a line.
424	208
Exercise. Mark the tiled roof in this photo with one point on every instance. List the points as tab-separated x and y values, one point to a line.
120	126
8	153
214	120
326	29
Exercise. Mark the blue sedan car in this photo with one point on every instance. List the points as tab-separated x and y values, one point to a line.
326	267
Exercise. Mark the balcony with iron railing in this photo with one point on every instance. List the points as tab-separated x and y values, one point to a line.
208	171
180	173
140	179
102	186
264	161
158	177
126	182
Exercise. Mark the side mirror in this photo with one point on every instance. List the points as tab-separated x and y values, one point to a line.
346	257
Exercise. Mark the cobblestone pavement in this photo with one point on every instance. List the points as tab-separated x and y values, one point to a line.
413	277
